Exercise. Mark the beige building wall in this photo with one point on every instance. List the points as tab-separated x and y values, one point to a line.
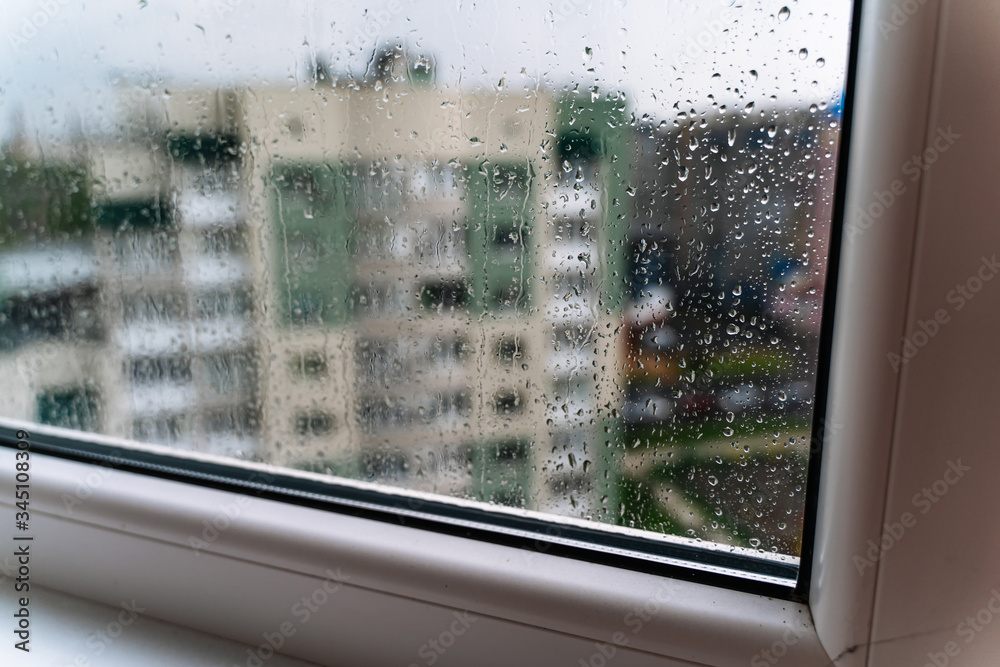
414	126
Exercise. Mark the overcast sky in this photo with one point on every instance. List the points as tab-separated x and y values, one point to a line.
660	52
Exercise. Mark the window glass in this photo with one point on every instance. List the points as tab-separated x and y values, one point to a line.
565	259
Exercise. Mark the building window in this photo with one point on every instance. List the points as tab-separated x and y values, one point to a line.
508	402
72	407
310	364
510	349
314	424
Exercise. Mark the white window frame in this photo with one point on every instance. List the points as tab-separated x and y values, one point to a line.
130	537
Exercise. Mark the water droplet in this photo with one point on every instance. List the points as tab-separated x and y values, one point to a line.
749	107
820	62
784	13
738	290
803	54
712	481
772	130
682	174
753	75
732	329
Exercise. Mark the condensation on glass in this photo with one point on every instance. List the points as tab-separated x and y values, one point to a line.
567	259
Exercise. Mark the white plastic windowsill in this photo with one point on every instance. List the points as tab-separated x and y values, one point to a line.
125	513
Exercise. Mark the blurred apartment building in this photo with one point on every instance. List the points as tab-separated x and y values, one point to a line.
444	286
380	279
473	292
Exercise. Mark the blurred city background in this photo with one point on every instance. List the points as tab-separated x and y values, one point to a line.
533	296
